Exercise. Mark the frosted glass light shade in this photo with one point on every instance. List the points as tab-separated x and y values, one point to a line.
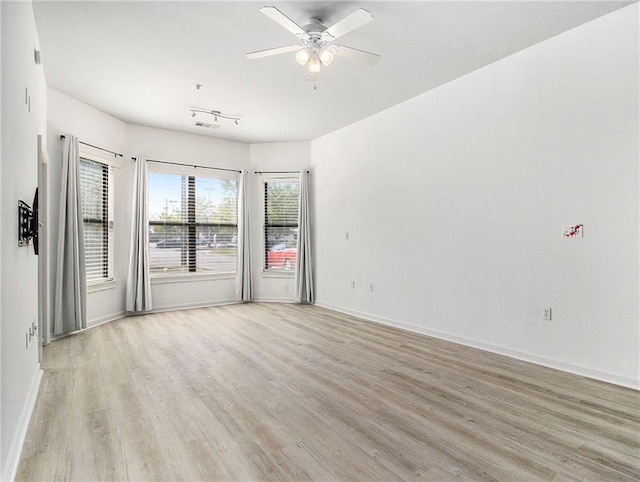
326	57
303	55
314	64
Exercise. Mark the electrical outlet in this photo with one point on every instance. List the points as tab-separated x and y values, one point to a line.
286	288
353	283
347	236
546	314
371	287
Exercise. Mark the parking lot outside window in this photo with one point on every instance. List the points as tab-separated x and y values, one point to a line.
193	223
281	205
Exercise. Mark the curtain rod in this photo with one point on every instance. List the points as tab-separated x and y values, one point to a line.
190	165
279	172
117	154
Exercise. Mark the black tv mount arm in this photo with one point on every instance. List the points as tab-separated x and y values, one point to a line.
28	223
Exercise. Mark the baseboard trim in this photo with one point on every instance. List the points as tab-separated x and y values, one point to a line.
274	300
15	450
106	319
518	355
189	306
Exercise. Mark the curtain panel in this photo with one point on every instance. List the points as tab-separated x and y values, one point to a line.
244	286
303	290
70	299
138	295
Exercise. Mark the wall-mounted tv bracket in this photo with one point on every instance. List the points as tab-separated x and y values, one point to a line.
25	223
28	223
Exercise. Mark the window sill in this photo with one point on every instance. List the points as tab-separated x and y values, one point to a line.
279	274
95	286
189	278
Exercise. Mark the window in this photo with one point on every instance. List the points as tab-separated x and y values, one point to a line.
193	223
96	184
281	201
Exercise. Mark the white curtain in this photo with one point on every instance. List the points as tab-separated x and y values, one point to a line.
70	301
303	291
244	288
138	297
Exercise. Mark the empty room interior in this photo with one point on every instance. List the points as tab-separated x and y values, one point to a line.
320	240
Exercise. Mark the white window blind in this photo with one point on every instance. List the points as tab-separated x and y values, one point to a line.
96	182
193	223
281	205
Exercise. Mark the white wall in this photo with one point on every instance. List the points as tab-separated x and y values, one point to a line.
290	156
454	203
1	243
19	371
67	115
163	145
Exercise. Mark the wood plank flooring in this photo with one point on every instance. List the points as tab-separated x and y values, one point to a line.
290	392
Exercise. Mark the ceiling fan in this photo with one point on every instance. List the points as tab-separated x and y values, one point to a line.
315	41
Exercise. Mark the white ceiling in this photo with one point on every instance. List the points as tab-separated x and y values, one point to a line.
140	61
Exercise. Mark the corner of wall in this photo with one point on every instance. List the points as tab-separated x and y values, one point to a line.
23	118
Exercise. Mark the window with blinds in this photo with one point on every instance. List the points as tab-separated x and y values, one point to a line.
193	223
96	184
281	204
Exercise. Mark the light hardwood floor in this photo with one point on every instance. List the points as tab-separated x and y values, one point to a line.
290	392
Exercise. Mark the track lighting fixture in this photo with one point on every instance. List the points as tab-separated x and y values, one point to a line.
215	114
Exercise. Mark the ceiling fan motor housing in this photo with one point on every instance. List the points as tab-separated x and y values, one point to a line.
315	35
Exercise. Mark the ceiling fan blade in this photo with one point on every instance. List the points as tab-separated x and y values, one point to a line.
355	54
277	16
351	22
269	52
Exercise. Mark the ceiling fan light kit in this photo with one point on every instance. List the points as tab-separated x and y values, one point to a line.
315	47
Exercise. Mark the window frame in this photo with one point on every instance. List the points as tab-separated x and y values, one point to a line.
273	178
191	224
108	219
